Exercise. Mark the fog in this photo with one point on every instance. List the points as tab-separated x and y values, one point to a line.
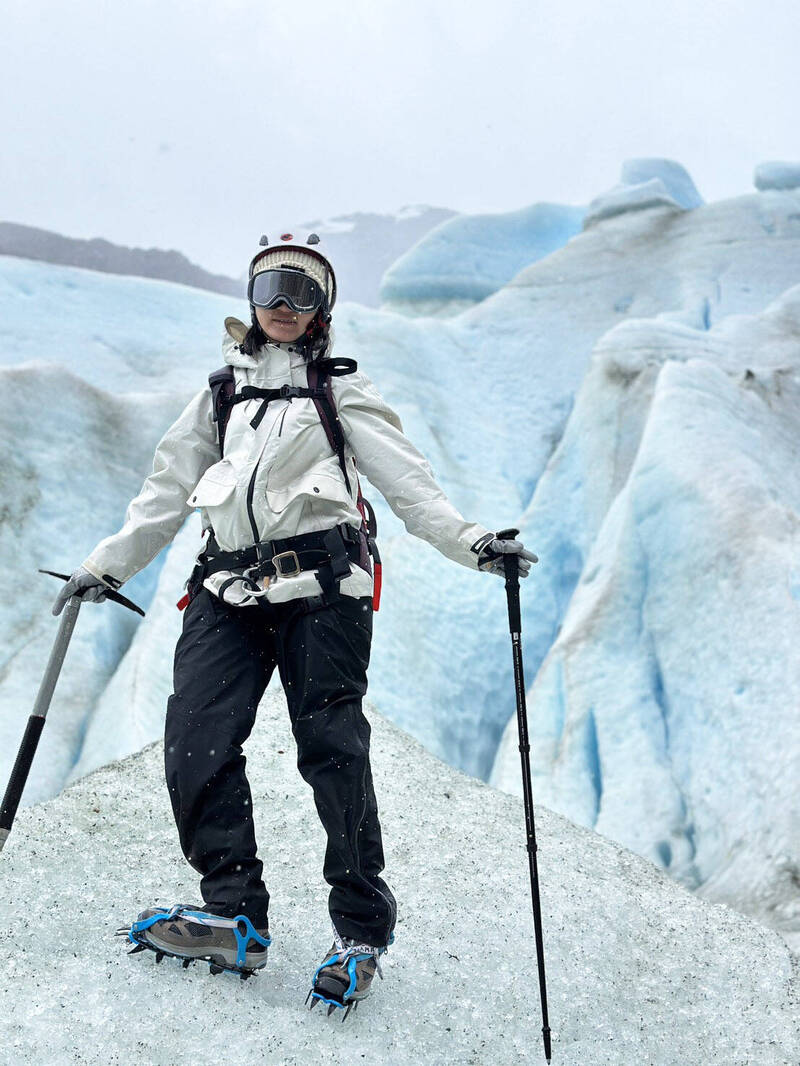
198	127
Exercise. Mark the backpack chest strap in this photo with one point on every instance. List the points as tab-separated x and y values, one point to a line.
252	392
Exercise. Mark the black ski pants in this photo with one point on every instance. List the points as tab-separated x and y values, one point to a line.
224	659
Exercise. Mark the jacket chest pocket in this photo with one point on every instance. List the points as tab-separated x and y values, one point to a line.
215	486
322	482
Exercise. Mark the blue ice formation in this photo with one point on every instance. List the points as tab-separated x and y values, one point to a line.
469	257
629	402
645	183
777	175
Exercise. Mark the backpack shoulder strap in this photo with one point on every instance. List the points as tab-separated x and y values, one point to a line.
319	380
223	386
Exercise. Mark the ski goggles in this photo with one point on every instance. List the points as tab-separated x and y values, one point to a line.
298	290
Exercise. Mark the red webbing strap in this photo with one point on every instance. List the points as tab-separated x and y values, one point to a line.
377	580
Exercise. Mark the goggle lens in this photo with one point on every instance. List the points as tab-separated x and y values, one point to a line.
298	290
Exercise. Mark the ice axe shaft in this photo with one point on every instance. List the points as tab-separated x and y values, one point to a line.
511	564
33	730
30	741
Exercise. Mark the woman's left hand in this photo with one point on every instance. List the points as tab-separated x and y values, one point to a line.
491	557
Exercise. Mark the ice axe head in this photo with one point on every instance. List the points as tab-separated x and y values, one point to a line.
110	594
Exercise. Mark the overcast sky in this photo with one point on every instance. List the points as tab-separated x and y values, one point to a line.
198	125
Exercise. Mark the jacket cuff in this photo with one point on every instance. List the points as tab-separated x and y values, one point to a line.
107	579
481	543
472	547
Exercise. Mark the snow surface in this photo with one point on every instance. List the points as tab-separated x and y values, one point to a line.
465	259
638	970
677	652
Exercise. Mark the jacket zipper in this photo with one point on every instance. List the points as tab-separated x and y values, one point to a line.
249	502
252	483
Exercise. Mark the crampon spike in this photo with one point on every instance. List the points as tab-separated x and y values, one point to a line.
331	1009
187	963
347	1010
138	948
159	956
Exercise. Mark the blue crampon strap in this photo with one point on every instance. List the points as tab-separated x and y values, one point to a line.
139	927
352	962
327	962
242	941
181	910
351	969
330	1002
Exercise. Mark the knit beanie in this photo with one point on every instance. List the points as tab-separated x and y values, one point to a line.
299	259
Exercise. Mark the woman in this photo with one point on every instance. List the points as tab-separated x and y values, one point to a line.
284	579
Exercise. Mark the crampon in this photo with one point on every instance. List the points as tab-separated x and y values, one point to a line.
241	927
345	976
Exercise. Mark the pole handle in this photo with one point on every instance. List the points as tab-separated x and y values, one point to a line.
511	567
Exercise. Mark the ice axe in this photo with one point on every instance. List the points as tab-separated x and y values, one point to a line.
511	564
30	741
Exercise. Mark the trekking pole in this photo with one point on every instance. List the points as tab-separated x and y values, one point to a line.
30	740
511	564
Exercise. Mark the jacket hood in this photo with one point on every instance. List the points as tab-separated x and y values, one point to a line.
234	334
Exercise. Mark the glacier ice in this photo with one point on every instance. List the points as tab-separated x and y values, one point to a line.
644	184
777	175
673	176
532	406
72	452
465	259
664	714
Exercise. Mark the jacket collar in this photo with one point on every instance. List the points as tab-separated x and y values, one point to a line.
275	352
268	353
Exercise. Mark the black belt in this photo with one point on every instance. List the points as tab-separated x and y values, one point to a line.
287	556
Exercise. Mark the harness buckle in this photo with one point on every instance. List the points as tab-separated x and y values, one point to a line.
279	569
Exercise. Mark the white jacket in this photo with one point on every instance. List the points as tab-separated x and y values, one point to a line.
297	483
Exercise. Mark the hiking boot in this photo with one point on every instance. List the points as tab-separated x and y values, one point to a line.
189	933
346	973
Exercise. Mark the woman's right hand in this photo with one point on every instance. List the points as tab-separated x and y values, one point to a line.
82	584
